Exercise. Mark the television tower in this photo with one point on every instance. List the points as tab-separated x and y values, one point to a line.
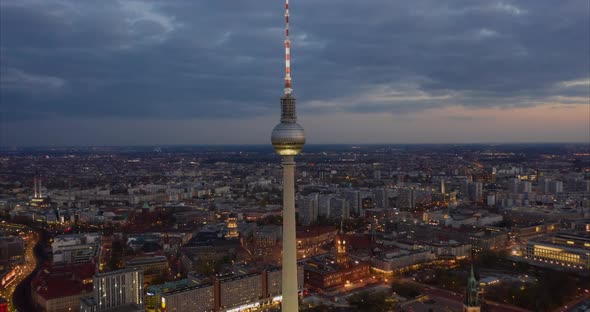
287	140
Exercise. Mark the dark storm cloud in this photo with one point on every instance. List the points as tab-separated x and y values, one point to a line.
187	59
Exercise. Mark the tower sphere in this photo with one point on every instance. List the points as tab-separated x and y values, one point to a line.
287	139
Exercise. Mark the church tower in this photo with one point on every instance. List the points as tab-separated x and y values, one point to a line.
340	244
232	226
471	303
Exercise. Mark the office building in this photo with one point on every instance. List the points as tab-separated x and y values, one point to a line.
233	293
399	260
196	298
12	249
560	250
75	248
154	293
153	267
527	231
118	288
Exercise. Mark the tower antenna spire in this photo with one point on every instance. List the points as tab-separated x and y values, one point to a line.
288	89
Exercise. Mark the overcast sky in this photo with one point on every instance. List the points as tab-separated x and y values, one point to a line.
210	71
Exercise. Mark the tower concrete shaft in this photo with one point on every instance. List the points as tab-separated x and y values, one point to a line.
289	280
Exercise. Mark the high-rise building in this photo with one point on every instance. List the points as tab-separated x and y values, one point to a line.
339	207
407	199
475	190
543	185
377	174
308	209
287	140
526	186
514	185
555	187
464	188
354	200
381	196
491	200
324	208
471	303
118	288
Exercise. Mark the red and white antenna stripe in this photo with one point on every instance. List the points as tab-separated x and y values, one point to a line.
287	51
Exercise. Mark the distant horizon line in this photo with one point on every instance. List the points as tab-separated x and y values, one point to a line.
3	147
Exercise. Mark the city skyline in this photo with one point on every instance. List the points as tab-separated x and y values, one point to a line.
374	226
447	166
156	73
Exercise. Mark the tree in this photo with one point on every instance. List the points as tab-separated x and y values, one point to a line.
270	219
368	301
116	255
320	308
114	262
405	290
160	279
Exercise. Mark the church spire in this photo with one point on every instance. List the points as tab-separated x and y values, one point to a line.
340	242
472	293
